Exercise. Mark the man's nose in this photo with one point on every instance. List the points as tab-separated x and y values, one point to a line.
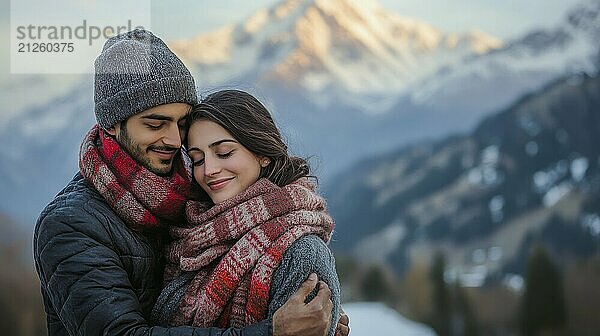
172	137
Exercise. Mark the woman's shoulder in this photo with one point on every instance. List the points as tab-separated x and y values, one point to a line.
308	247
306	255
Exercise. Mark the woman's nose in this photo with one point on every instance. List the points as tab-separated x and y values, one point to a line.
211	166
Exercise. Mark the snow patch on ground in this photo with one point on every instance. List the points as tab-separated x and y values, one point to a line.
374	318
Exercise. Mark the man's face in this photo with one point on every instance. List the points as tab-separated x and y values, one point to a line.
153	137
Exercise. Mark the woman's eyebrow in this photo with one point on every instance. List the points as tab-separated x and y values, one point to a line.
216	143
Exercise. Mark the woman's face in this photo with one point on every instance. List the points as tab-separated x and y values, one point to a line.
222	166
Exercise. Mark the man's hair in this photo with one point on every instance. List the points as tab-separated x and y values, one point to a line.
136	71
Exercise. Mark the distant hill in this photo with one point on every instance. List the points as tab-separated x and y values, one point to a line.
529	173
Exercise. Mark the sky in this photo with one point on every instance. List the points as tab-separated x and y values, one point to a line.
176	19
503	19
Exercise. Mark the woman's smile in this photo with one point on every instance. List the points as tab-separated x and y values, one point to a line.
219	184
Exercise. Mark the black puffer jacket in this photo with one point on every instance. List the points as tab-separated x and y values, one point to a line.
98	277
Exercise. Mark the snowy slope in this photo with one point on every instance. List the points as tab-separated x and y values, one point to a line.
40	151
22	92
487	82
19	92
373	318
457	96
528	174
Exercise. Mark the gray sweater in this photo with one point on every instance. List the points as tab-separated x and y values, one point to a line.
307	255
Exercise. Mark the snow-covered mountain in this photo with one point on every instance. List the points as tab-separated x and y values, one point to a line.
480	84
297	56
40	151
329	50
327	70
528	174
19	93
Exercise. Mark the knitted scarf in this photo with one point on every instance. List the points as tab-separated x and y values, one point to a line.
144	200
230	251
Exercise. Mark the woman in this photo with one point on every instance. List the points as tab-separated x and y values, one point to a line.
257	230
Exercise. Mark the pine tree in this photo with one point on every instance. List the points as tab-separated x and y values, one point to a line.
464	321
543	305
441	310
375	285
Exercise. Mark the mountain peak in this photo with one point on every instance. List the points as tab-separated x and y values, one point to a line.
327	45
586	16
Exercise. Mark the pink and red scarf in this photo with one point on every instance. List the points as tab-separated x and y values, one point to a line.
234	248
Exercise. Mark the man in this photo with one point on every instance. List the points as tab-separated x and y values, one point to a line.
98	244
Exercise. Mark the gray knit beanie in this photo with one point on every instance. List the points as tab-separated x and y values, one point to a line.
136	71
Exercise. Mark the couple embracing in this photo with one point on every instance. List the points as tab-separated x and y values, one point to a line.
186	217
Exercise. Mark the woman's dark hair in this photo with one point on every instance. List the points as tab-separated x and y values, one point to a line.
251	124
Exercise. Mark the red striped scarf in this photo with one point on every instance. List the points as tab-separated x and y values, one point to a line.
141	198
235	247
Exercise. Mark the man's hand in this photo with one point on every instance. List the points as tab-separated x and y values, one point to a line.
297	318
342	328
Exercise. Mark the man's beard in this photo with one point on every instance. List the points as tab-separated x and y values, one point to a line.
138	154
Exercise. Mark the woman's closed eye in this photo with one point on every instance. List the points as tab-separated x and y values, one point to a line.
225	155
